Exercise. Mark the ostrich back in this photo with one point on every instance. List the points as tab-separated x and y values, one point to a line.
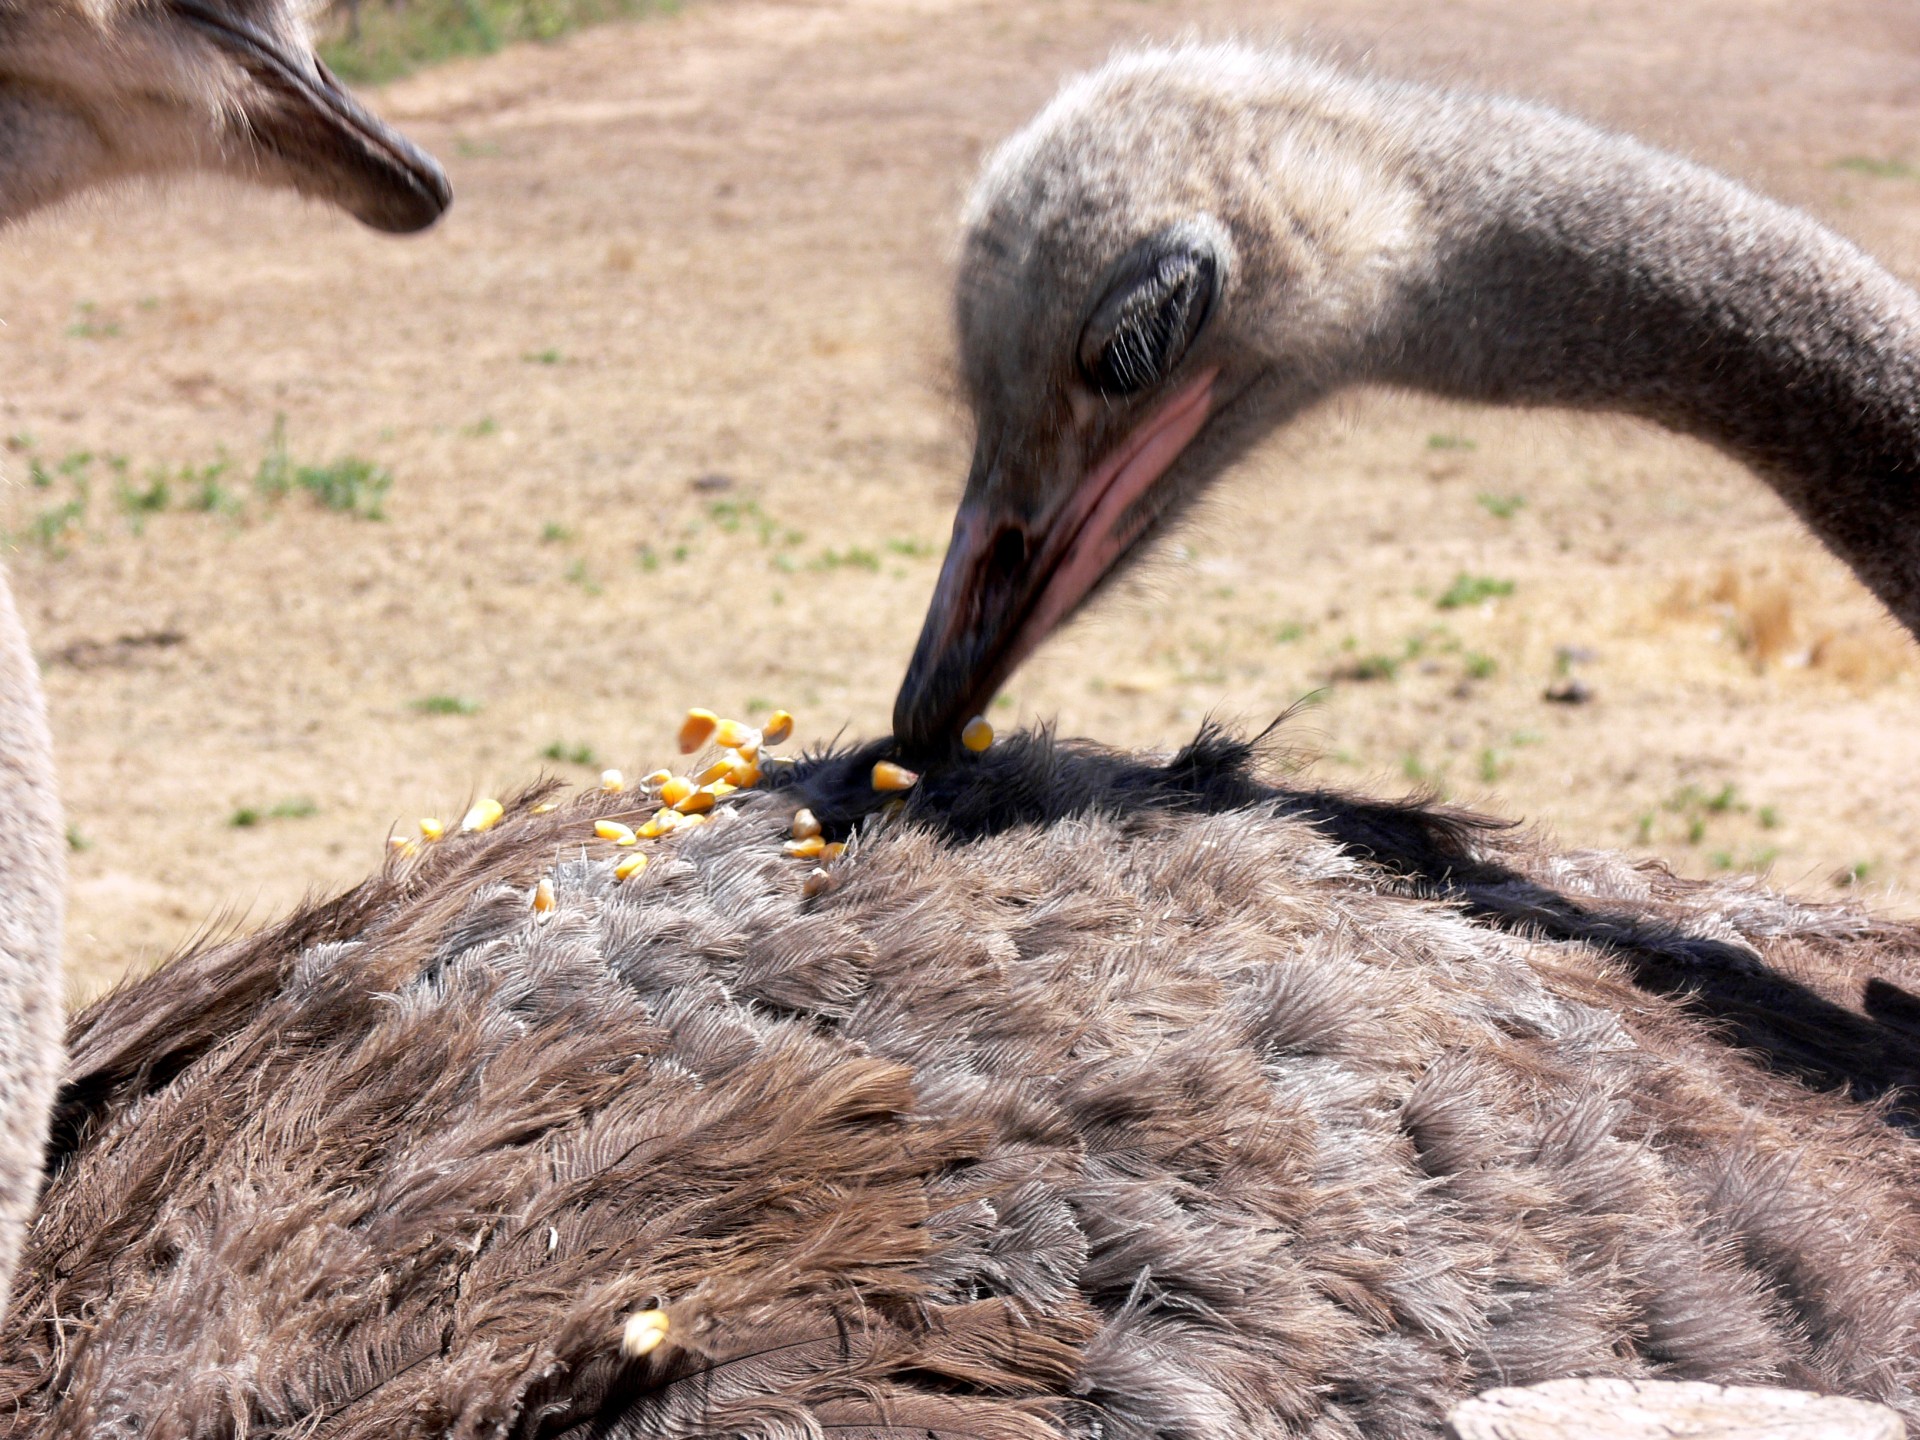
1094	1095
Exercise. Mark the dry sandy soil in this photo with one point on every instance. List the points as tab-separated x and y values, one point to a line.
716	244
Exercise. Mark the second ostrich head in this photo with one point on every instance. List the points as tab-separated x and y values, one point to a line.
92	91
1190	247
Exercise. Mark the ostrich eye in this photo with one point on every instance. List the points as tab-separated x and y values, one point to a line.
1143	327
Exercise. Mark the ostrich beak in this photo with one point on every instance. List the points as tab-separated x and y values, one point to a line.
1005	586
331	146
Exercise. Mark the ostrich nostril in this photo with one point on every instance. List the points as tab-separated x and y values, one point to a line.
1009	552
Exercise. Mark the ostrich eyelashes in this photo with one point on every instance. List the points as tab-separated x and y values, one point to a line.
1147	321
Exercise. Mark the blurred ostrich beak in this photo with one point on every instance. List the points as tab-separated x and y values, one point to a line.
328	144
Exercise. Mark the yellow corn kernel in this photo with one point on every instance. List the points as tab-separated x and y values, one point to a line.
977	735
654	779
545	807
719	788
834	851
652	830
612	781
696	729
613	830
484	815
431	829
745	774
805	827
718	770
732	735
889	776
779	726
676	790
687	822
805	849
695	802
543	901
402	846
643	1332
816	882
630	866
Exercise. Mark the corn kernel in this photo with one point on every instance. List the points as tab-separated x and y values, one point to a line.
613	830
816	882
718	770
977	735
431	829
695	802
889	776
805	849
643	1332
687	822
654	779
543	901
834	851
484	815
676	790
545	807
779	726
805	827
745	774
402	846
696	729
732	735
629	866
719	788
612	781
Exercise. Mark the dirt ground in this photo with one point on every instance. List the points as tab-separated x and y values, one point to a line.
713	248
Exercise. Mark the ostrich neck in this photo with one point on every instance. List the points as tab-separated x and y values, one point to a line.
32	905
1579	269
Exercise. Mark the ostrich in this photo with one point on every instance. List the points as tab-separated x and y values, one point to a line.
91	93
1085	1094
1191	246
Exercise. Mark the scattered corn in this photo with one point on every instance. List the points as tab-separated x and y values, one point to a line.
834	851
629	866
697	729
718	770
732	735
676	790
779	726
484	815
745	774
402	846
654	779
695	802
977	735
806	848
687	822
432	829
719	788
643	1332
613	830
805	827
889	776
612	781
817	881
543	901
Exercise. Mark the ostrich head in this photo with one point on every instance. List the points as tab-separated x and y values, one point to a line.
96	90
1176	255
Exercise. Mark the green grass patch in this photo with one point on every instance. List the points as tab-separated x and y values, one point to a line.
1878	166
1471	590
375	41
446	705
247	816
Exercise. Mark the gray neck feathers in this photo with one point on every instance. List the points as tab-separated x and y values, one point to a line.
1570	267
